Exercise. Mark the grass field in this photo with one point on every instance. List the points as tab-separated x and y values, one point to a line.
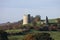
54	34
14	31
18	37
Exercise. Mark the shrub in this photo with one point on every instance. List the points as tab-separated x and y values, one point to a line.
3	35
38	36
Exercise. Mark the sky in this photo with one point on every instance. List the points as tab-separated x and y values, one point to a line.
13	10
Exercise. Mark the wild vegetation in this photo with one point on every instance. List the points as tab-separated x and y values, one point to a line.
54	35
17	31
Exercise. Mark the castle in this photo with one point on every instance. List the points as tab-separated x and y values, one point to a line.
27	19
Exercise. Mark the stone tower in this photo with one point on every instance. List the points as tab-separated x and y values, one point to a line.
26	19
47	22
29	18
37	18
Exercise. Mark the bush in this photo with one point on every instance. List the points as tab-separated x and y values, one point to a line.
3	35
38	36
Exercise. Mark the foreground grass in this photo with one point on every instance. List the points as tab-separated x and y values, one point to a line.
54	34
14	31
18	37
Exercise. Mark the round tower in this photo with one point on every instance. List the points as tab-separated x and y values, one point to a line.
25	19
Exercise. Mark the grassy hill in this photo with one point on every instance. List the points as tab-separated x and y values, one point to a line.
52	20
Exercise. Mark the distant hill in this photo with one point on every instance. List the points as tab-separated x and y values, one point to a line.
52	20
8	23
18	24
3	24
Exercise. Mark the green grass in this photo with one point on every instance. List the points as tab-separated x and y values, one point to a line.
54	34
52	21
18	37
14	31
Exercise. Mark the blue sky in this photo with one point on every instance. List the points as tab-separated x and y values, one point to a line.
13	10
